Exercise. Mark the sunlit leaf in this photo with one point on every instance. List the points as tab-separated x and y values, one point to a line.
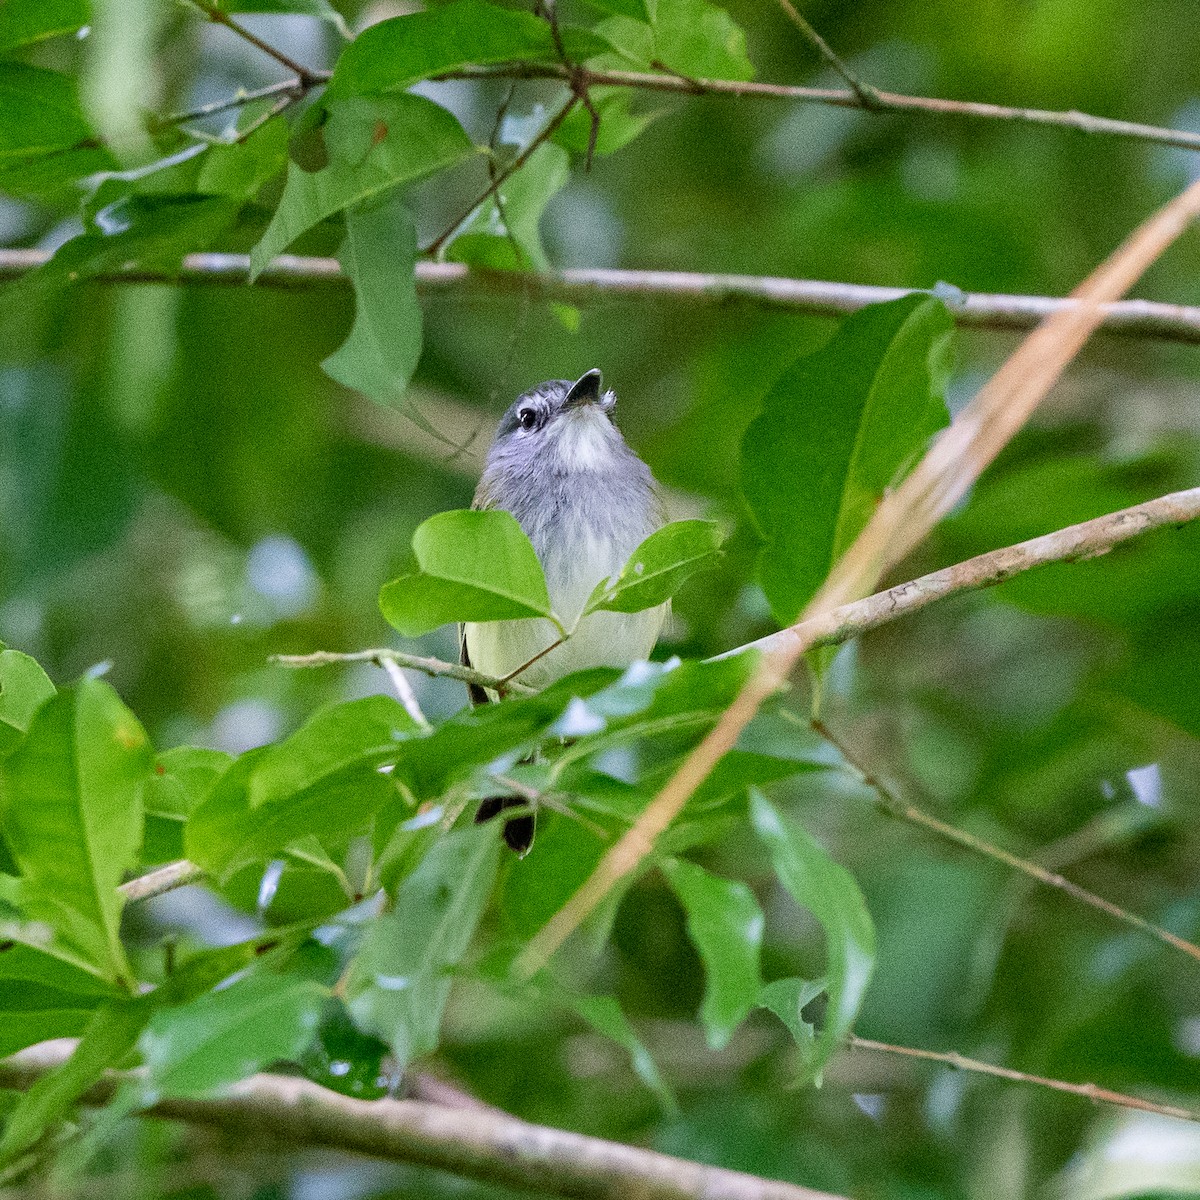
829	892
835	432
24	687
474	566
200	1048
381	353
24	21
726	925
659	567
374	145
74	821
692	37
393	54
400	980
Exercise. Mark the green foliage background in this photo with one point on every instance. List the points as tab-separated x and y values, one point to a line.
184	492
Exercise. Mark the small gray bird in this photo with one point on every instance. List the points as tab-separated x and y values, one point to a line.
585	500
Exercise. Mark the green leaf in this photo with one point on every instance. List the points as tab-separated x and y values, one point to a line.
691	37
829	892
322	781
39	111
659	567
787	998
200	1048
605	1015
181	779
637	10
382	351
504	234
242	168
75	818
618	125
399	52
25	21
374	145
835	432
474	566
726	925
24	688
400	979
43	997
110	1035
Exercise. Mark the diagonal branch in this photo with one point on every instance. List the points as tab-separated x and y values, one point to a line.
478	1143
971	310
213	10
902	519
868	97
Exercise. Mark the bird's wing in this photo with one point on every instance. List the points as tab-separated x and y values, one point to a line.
474	691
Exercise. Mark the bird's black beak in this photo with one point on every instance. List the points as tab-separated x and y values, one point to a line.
586	390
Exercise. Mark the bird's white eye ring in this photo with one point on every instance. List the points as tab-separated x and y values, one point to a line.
528	418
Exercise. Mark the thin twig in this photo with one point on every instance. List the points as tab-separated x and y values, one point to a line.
477	1143
972	310
414	662
498	180
840	98
867	95
239	99
216	13
506	680
404	690
903	518
1089	1091
161	879
891	803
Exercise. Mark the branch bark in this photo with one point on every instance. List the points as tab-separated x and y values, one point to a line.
477	1143
971	310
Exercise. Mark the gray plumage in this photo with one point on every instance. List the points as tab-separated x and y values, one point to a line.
585	500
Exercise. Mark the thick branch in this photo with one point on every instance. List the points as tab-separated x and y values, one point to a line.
161	879
1089	539
976	310
478	1143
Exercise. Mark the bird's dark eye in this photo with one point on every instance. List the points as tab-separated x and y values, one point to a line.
528	418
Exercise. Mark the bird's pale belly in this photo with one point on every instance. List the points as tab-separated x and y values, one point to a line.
602	639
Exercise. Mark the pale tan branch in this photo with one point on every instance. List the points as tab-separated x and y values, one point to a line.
1089	1091
161	879
902	519
971	310
478	1143
1089	539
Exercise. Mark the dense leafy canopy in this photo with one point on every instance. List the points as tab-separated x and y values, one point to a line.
183	493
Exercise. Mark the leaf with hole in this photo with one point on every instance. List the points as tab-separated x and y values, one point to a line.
659	567
474	566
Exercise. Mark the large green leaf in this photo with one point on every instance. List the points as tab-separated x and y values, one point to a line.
24	687
835	432
829	892
393	54
691	37
659	567
75	817
474	566
322	781
24	21
400	979
381	353
504	233
39	111
181	779
43	997
726	925
200	1048
109	1036
374	145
